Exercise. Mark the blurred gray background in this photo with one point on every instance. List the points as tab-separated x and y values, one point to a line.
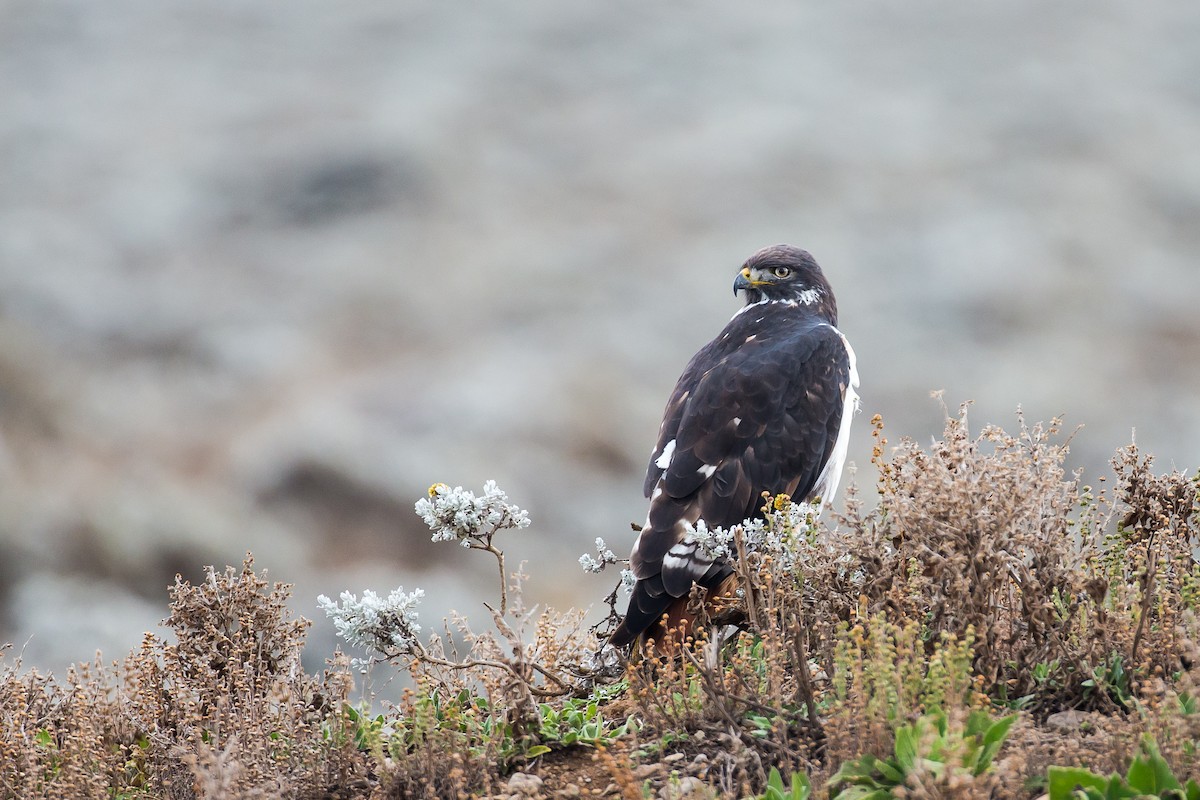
268	270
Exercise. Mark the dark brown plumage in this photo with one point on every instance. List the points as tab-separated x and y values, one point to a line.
764	407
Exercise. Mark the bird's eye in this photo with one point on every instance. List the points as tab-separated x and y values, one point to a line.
781	272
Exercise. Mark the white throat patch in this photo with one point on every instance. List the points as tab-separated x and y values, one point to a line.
809	297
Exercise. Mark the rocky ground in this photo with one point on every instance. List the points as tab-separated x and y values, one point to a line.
269	270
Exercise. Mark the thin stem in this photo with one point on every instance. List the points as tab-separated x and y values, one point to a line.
424	656
499	554
1147	592
487	547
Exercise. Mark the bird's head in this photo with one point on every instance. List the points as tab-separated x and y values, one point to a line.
785	273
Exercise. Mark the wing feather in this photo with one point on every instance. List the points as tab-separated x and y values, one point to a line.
756	410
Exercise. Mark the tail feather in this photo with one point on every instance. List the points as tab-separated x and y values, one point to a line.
668	621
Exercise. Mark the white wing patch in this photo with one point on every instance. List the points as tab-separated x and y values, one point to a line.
707	470
827	483
672	561
683	555
664	458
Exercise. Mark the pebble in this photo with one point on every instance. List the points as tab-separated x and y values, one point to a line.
1068	721
688	787
644	771
522	784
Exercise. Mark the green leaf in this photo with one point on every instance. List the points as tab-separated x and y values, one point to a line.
856	770
889	771
802	786
978	722
1149	773
906	748
993	740
1063	781
863	793
936	768
537	750
775	780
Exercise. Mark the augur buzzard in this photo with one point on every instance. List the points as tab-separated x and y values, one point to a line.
764	407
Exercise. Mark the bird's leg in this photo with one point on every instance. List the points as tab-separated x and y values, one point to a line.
712	648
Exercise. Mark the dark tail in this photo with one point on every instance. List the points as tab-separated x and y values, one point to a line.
654	615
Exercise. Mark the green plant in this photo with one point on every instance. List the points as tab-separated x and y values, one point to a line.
1045	683
460	722
799	789
929	746
1149	776
577	722
369	732
1112	680
1043	672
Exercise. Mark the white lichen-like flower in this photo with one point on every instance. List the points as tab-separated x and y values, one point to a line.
458	515
386	625
604	556
711	543
628	581
784	535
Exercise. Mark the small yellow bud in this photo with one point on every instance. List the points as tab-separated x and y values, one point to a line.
438	488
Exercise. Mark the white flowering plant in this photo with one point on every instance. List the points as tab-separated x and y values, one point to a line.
784	533
388	627
604	556
605	661
384	625
458	515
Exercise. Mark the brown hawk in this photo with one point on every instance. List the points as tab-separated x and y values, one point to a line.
764	407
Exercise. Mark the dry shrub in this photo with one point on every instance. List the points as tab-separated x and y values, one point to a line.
883	677
229	700
1169	704
1149	563
474	714
224	711
763	702
985	575
988	533
978	534
55	740
528	654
